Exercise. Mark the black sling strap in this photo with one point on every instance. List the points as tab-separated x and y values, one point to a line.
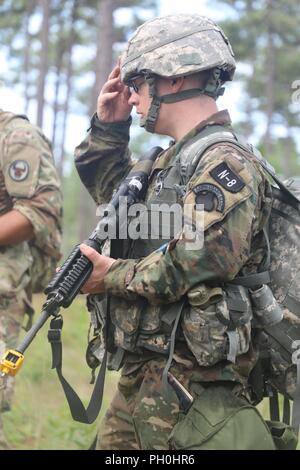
77	409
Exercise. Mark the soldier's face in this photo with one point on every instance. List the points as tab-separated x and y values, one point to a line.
139	96
141	99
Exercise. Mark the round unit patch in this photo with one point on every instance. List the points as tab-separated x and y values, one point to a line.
210	196
18	170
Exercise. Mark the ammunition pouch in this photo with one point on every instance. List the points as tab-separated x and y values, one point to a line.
216	323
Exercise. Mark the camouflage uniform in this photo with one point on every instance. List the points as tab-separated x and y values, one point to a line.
152	288
28	183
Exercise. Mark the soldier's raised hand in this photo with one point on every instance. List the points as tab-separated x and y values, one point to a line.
112	103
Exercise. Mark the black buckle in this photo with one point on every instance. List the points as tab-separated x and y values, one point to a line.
54	336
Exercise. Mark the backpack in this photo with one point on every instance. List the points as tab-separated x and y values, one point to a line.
279	344
278	367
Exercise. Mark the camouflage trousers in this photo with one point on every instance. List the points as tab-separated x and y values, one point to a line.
140	415
143	415
12	311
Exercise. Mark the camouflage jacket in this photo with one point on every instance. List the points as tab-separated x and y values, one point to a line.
28	183
236	196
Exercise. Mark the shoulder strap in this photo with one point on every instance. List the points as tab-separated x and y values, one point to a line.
215	134
193	151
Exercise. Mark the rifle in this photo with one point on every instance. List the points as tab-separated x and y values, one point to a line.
73	274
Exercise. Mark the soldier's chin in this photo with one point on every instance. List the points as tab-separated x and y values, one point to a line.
142	121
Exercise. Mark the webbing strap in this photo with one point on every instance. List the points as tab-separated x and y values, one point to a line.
182	95
77	409
252	280
296	405
286	418
233	340
292	304
216	137
274	405
177	316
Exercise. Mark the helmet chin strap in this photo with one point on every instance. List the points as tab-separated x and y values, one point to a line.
213	88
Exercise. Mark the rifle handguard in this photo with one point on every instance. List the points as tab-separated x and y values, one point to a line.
72	275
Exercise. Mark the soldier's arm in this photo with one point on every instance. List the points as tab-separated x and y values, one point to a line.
228	231
32	182
15	228
103	159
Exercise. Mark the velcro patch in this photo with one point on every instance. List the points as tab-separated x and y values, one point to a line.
18	170
224	175
210	196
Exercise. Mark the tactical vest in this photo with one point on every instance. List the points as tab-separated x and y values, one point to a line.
139	325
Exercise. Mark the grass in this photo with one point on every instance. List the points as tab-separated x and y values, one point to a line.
40	418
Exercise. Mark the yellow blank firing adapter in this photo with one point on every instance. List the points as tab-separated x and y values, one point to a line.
11	362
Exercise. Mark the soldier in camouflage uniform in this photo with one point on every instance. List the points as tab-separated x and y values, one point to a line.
174	296
30	228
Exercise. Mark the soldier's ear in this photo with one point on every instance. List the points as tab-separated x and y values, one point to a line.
177	83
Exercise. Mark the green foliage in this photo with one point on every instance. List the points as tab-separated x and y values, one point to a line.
40	418
284	157
266	38
72	190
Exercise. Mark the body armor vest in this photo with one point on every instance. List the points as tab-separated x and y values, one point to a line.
139	325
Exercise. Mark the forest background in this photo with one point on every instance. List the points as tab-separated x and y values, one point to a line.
55	56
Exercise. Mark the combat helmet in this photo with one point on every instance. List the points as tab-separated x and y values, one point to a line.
176	46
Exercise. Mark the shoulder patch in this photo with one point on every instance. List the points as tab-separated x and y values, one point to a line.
224	175
210	196
18	170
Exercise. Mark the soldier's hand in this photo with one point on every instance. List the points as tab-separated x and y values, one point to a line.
101	265
113	99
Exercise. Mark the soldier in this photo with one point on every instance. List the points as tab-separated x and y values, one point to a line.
30	229
172	306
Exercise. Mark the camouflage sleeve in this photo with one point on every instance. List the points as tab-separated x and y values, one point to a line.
31	180
231	191
103	159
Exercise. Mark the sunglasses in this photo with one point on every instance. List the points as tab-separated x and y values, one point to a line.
135	87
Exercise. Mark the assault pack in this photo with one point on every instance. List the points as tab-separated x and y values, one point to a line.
277	334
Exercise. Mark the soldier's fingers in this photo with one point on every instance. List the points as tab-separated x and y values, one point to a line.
57	269
114	73
89	252
110	85
109	97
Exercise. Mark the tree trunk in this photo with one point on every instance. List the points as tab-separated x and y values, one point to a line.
59	63
69	74
270	77
104	53
103	66
43	68
27	54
